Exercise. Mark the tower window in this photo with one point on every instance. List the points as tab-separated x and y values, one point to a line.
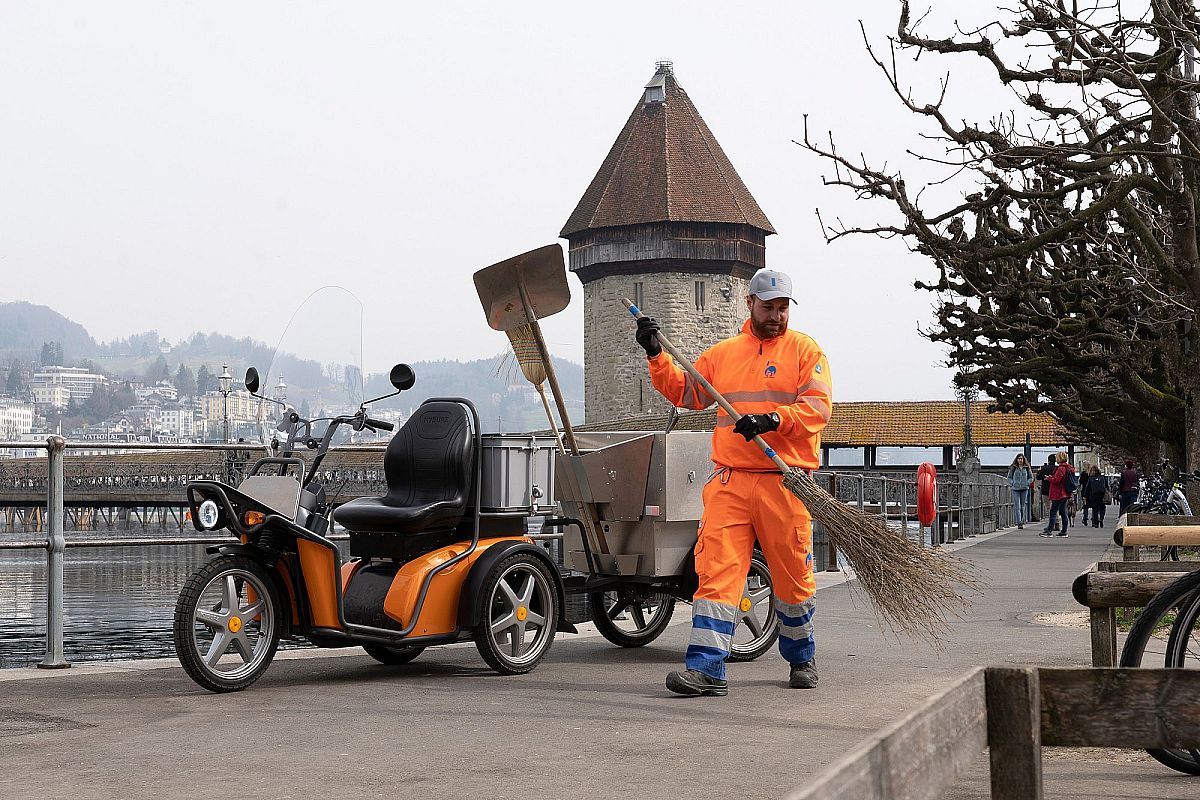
699	295
639	298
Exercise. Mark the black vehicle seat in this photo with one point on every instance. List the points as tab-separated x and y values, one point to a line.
428	466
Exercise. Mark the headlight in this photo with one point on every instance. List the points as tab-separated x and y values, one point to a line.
207	515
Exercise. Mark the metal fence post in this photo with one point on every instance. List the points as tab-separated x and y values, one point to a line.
55	546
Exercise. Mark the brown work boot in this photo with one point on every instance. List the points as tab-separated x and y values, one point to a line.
804	676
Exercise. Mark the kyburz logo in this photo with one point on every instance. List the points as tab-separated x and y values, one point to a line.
770	371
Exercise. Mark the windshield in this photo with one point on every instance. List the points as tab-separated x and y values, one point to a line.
317	364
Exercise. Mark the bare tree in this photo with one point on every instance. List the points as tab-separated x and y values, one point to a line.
1069	269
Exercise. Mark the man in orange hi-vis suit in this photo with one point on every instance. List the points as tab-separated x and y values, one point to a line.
779	380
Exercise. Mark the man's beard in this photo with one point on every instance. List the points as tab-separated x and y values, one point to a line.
763	331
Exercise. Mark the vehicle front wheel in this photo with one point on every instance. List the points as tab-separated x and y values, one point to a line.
518	614
227	623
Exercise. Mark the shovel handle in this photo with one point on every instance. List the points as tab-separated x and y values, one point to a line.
683	361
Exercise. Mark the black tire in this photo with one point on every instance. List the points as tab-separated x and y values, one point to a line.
517	594
650	616
392	656
1179	605
207	625
757	627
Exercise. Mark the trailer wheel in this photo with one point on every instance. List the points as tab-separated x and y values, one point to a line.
518	614
757	626
629	620
226	625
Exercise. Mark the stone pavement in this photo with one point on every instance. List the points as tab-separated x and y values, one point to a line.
593	721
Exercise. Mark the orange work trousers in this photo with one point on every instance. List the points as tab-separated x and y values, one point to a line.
741	507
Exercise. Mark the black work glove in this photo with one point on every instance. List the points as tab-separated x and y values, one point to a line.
647	336
751	425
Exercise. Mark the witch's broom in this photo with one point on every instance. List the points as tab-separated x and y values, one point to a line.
912	588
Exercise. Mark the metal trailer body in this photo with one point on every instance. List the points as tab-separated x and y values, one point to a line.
647	491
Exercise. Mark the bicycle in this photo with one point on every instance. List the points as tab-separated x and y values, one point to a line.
1177	605
1165	497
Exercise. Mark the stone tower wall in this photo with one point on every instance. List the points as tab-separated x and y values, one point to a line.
616	382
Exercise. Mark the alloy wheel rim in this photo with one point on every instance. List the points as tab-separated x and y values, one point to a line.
518	621
232	624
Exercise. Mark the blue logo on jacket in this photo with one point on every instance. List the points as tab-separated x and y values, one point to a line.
770	371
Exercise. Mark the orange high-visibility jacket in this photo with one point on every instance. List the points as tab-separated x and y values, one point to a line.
788	375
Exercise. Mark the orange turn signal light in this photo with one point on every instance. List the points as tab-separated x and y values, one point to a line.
255	518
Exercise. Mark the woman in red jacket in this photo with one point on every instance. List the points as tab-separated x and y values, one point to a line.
1059	496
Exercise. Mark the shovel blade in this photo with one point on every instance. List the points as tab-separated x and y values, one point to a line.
542	272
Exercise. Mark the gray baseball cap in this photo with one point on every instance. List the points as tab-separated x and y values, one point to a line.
767	284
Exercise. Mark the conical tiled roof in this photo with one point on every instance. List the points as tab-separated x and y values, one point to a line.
666	166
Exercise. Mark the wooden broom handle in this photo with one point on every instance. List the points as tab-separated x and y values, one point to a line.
708	387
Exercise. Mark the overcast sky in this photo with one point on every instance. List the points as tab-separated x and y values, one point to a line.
191	166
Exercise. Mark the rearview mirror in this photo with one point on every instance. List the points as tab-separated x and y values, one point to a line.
252	380
402	377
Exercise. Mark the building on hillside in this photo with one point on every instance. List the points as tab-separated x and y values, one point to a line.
55	396
163	389
904	434
16	418
242	414
668	223
178	419
79	382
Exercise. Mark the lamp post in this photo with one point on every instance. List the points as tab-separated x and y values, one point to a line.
224	386
281	390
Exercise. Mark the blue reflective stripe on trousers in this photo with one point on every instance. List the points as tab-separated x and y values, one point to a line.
711	638
796	642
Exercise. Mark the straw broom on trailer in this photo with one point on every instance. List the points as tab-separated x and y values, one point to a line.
912	588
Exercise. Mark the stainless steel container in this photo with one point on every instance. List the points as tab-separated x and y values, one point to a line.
518	474
647	491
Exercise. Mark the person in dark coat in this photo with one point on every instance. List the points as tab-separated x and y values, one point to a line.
1093	495
1043	476
1129	485
1085	475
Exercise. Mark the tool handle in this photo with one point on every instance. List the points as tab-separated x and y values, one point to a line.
708	387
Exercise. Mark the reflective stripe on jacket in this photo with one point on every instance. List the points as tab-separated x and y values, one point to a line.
788	375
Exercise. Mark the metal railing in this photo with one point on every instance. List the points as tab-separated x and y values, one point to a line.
963	510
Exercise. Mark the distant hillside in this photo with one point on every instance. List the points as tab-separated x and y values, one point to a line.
25	327
495	385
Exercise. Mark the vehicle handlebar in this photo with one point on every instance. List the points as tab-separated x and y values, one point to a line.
379	424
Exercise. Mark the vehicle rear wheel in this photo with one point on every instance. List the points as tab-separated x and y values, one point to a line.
226	626
518	614
1165	635
631	619
392	656
757	626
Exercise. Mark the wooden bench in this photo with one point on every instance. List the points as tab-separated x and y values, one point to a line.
1014	711
1156	530
1108	585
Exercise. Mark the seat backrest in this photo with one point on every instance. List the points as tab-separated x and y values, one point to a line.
430	459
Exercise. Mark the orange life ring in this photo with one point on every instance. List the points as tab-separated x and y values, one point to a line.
926	494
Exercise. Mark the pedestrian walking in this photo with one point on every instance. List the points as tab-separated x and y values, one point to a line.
1128	487
1043	478
779	380
1020	479
1085	476
1096	496
1063	484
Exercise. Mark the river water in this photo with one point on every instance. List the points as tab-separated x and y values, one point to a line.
118	604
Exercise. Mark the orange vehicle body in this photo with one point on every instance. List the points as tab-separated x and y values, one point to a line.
439	613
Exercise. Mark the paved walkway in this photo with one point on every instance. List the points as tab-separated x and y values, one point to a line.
593	721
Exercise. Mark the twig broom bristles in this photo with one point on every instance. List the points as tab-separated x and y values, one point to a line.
525	348
912	588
